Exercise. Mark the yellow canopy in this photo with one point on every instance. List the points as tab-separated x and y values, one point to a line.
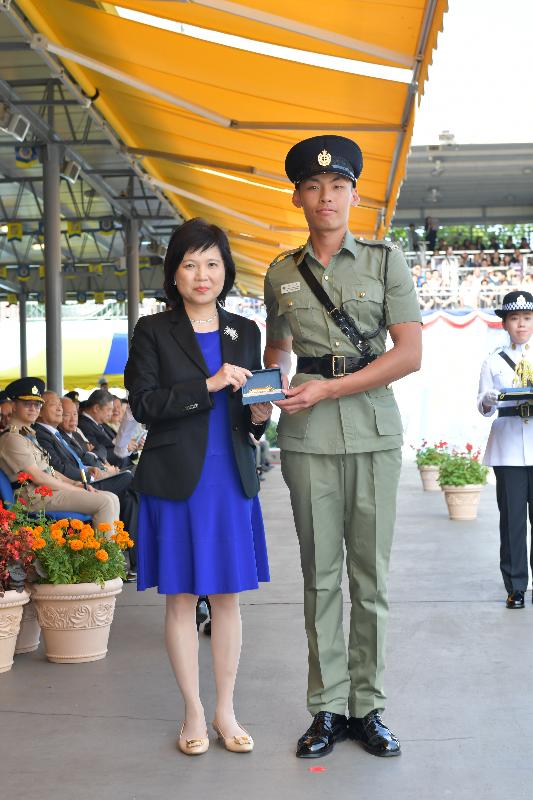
213	122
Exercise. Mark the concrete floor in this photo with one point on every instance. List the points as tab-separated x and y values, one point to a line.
459	680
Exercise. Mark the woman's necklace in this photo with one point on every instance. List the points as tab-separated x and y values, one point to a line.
203	321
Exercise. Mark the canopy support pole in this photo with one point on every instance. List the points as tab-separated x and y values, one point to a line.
22	335
52	262
132	266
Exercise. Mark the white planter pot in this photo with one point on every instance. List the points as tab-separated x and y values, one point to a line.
430	478
463	501
75	619
10	615
30	631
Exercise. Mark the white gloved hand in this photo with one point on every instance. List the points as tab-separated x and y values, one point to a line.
490	398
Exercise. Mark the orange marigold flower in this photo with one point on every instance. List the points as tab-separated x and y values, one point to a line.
61	523
131	543
38	544
76	524
88	530
37	530
101	555
104	527
76	544
56	535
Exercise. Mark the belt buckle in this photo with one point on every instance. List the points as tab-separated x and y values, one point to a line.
524	410
334	371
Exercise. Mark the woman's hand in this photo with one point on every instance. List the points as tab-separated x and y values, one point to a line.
260	412
228	375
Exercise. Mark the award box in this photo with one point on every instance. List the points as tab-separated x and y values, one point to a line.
263	387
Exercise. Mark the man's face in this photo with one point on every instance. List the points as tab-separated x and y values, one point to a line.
6	409
69	422
26	411
326	200
52	410
107	412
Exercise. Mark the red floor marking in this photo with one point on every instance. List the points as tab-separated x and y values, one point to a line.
317	769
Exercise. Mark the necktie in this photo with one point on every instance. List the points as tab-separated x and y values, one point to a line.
71	450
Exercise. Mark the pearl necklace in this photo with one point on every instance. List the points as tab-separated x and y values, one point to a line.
203	321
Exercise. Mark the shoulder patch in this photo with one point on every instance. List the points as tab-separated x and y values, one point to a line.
286	253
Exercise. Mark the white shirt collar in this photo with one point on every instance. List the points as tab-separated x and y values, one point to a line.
49	428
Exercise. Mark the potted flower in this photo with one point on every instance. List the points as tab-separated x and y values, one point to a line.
16	556
428	460
77	574
461	476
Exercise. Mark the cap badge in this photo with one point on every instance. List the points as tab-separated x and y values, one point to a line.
324	158
34	390
521	300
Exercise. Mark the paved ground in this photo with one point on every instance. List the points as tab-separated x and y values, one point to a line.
459	681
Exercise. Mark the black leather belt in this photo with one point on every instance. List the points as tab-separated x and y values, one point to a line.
524	410
330	366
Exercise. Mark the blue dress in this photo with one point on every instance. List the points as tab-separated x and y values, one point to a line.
214	541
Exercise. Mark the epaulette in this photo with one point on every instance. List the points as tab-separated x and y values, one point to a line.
379	243
285	254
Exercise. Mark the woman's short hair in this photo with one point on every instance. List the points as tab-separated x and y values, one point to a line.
196	235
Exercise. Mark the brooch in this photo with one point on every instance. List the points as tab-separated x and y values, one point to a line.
231	332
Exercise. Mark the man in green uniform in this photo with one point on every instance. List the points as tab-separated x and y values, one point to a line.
340	434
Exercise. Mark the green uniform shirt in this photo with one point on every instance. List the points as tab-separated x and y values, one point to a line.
363	422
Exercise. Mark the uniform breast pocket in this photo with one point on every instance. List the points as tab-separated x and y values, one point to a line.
297	307
364	303
388	419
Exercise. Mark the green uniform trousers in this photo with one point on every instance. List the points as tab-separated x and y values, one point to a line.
352	499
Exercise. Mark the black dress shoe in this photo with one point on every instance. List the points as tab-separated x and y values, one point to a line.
374	735
319	739
131	576
515	600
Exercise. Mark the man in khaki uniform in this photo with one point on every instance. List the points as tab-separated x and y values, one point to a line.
20	452
340	434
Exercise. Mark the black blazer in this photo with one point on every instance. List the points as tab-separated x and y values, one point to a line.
103	443
60	458
166	380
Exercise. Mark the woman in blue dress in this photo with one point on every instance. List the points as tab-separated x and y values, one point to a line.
200	525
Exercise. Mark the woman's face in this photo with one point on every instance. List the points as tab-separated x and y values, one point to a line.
200	276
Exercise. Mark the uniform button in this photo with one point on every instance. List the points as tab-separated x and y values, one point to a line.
326	277
337	344
235	427
289	303
388	386
361	294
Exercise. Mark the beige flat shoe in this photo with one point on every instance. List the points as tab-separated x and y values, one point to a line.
192	747
235	744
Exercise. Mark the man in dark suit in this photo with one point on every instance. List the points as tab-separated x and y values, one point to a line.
68	428
97	411
65	459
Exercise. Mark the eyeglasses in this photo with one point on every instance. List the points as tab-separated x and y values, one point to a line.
32	403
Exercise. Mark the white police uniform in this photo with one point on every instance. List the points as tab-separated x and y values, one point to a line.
510	442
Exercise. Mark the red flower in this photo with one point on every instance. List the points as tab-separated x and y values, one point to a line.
469	447
22	502
44	491
23	477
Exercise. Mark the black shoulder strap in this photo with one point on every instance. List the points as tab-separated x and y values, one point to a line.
507	360
510	361
339	317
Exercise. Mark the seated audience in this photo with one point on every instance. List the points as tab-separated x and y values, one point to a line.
65	460
21	452
97	411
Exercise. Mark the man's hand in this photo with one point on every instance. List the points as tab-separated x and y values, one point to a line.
304	396
260	412
95	473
